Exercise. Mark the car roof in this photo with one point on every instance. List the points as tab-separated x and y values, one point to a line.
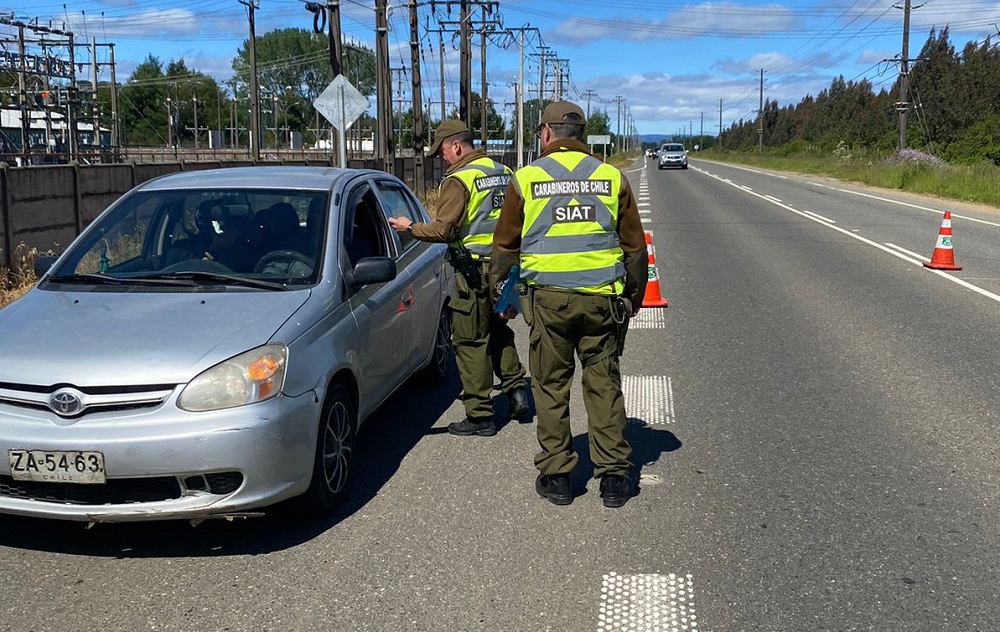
262	177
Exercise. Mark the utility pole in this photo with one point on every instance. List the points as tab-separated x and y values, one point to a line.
588	95
618	100
720	123
115	123
903	104
483	131
419	177
254	132
760	117
333	35
441	55
465	65
519	93
383	148
519	107
542	50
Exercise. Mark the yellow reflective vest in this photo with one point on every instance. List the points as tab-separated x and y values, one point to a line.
569	238
486	181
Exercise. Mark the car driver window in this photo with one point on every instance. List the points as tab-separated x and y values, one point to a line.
363	238
397	204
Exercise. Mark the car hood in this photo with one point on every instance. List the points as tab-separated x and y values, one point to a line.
117	338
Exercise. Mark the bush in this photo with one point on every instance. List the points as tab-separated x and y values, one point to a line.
19	278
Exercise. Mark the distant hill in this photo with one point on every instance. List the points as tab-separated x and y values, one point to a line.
655	139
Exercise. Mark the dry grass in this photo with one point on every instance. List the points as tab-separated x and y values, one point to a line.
19	278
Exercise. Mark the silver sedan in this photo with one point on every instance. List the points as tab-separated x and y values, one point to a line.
209	345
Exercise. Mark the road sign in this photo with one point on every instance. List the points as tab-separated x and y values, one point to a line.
599	139
341	103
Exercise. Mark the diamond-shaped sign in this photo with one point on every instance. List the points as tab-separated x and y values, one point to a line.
341	103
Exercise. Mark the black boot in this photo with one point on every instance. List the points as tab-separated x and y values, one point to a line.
518	399
467	428
616	490
554	487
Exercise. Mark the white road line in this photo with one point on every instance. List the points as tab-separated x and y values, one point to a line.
772	198
647	603
874	244
916	206
649	399
818	216
909	252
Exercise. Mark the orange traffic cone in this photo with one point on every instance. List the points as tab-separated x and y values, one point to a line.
943	257
652	298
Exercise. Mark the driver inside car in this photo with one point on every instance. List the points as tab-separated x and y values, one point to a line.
236	246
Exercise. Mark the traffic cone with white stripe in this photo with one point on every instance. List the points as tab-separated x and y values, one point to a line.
943	257
652	298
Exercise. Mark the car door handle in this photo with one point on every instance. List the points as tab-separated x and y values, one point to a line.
406	302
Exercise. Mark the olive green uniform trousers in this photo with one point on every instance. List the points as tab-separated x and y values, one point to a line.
564	323
484	347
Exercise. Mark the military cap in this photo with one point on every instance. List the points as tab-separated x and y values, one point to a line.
447	129
563	113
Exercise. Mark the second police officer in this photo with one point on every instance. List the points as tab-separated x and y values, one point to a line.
466	212
572	224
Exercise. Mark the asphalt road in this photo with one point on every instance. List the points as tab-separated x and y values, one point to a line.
814	421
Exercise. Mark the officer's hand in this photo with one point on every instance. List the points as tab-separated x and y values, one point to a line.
509	314
400	224
632	308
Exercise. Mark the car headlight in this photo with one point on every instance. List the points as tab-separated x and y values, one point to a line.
250	377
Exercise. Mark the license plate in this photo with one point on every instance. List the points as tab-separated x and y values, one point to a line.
69	466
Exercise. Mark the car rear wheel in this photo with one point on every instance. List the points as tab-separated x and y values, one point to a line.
335	446
436	372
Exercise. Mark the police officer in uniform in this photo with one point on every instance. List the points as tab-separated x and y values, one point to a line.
469	202
571	222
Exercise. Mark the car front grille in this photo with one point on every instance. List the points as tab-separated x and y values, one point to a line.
94	399
115	491
120	491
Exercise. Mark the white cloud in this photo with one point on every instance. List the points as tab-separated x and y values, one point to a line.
706	19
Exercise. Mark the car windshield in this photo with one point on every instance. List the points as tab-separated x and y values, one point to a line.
220	238
673	148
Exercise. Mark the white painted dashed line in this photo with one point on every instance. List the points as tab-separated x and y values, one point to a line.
883	248
649	399
772	198
909	252
817	184
916	206
647	603
818	216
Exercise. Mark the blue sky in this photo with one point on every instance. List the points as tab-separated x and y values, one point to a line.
672	62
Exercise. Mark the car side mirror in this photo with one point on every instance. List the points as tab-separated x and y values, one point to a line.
373	270
43	263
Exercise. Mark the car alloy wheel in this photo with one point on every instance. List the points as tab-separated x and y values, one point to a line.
335	445
437	370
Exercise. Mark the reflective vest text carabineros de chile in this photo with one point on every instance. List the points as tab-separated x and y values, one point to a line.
569	238
486	181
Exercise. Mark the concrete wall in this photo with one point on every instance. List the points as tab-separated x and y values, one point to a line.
46	207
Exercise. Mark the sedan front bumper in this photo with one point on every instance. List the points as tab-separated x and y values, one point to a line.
165	463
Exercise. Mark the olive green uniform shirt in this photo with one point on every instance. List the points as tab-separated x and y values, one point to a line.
448	213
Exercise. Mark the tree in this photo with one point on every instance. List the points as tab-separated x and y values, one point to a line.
294	65
143	104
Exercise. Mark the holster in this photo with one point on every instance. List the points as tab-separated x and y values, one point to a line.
462	261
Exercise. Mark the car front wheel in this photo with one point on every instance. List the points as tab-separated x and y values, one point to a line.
334	459
436	372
